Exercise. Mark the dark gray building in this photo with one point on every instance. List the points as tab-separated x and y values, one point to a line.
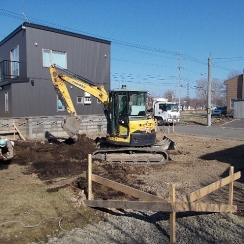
25	57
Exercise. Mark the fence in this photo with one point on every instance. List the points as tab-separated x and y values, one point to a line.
154	203
34	128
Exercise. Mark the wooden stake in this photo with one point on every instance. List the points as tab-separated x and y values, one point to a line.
21	136
173	214
89	177
231	185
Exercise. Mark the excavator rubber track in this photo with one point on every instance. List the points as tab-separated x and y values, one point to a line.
132	156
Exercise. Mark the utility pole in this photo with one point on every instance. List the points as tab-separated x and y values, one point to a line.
179	77
209	90
188	90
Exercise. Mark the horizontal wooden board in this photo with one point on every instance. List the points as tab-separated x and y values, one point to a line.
204	207
210	188
8	131
126	189
136	205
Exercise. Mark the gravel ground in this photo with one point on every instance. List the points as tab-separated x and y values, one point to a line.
149	227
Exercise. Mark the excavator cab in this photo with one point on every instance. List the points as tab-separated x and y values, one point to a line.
128	123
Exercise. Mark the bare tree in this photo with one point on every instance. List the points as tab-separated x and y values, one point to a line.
218	93
233	74
201	92
196	103
170	95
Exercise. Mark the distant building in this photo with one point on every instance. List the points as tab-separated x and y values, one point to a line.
235	91
25	57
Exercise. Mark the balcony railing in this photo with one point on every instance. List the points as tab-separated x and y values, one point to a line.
9	70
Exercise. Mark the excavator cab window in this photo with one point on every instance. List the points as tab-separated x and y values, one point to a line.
117	116
123	109
123	105
137	104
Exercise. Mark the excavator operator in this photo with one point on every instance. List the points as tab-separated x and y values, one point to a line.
123	107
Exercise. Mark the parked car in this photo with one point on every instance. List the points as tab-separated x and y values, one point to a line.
219	110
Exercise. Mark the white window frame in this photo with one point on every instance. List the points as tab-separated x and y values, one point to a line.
49	57
60	106
80	100
1	75
6	102
87	100
14	58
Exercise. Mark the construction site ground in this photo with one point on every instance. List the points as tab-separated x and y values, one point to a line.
42	187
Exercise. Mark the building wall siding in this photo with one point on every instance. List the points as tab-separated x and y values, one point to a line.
86	57
19	39
234	90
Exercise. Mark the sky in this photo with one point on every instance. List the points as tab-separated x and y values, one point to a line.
157	45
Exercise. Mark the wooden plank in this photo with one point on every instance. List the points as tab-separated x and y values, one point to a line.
21	136
231	186
7	131
172	217
89	178
204	207
137	205
210	188
126	189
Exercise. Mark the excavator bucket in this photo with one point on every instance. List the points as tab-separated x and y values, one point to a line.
165	144
71	126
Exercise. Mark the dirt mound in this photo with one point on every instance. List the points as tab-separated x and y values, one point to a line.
53	159
35	151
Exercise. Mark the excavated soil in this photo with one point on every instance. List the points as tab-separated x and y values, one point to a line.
51	160
54	167
54	159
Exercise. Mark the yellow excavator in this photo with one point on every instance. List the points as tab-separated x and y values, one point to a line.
131	133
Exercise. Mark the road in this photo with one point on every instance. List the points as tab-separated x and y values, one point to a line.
232	130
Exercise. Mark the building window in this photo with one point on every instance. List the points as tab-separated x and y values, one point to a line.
54	57
98	101
60	106
1	73
80	100
87	100
6	102
14	58
232	103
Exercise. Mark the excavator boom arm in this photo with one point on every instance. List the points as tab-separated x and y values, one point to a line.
61	89
72	124
60	80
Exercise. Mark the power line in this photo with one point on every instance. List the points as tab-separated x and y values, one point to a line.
115	41
118	42
136	62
